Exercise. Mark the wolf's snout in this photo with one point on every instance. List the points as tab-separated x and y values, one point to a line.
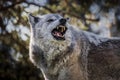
59	31
63	21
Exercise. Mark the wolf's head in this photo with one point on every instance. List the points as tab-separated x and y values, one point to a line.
51	32
52	27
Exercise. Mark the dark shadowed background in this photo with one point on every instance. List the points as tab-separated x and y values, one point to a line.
101	17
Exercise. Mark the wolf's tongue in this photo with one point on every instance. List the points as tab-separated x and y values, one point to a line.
58	34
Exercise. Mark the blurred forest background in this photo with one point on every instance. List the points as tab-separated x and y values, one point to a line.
101	17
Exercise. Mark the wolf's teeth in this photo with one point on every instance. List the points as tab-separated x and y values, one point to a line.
63	28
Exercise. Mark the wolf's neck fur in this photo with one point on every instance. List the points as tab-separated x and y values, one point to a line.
62	58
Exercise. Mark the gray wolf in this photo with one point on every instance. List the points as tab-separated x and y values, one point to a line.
63	52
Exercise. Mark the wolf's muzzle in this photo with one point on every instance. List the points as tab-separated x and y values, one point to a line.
63	21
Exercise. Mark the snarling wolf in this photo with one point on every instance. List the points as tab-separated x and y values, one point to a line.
63	52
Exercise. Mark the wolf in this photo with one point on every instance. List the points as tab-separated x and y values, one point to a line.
64	52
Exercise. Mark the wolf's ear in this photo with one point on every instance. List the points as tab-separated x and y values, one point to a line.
33	19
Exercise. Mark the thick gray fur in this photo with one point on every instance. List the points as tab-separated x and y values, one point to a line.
81	56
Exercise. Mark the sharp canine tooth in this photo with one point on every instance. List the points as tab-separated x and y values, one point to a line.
64	28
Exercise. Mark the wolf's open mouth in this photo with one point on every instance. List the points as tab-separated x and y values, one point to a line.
59	32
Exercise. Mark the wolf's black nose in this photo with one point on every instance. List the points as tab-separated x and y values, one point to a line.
62	21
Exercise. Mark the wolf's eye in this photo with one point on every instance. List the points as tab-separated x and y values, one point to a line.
50	20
